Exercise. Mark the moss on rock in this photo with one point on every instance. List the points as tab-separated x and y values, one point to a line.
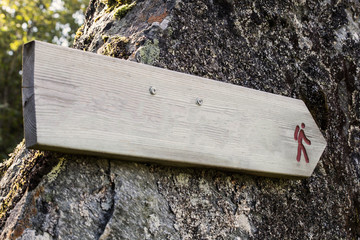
122	10
105	38
79	33
19	184
116	4
22	172
116	47
56	170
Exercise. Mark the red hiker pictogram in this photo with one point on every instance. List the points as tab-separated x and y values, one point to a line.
299	136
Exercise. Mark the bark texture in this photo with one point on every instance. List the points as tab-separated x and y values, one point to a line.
302	49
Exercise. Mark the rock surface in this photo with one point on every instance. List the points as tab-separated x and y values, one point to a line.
302	49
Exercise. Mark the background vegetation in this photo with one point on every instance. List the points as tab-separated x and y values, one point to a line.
22	21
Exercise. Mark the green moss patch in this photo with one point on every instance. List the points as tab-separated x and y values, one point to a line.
122	10
31	166
79	33
56	170
116	47
121	7
20	183
105	38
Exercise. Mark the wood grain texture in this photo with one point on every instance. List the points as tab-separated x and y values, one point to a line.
28	97
89	103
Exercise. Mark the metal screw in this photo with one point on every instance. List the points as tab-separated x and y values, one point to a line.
152	90
199	101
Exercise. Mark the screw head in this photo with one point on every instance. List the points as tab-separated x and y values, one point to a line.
199	101
152	90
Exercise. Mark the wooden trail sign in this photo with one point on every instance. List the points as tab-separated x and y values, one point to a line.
80	102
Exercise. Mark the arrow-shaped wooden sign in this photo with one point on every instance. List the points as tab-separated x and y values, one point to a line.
80	102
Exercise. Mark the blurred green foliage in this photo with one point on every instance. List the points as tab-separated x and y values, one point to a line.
22	21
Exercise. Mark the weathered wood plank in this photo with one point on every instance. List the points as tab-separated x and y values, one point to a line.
82	102
28	98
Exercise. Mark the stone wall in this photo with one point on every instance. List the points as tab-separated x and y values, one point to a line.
301	49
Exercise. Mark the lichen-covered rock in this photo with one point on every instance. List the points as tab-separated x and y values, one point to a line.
302	49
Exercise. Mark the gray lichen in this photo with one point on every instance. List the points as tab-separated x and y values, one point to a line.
149	52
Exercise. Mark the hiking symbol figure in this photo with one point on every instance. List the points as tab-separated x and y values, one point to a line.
299	135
